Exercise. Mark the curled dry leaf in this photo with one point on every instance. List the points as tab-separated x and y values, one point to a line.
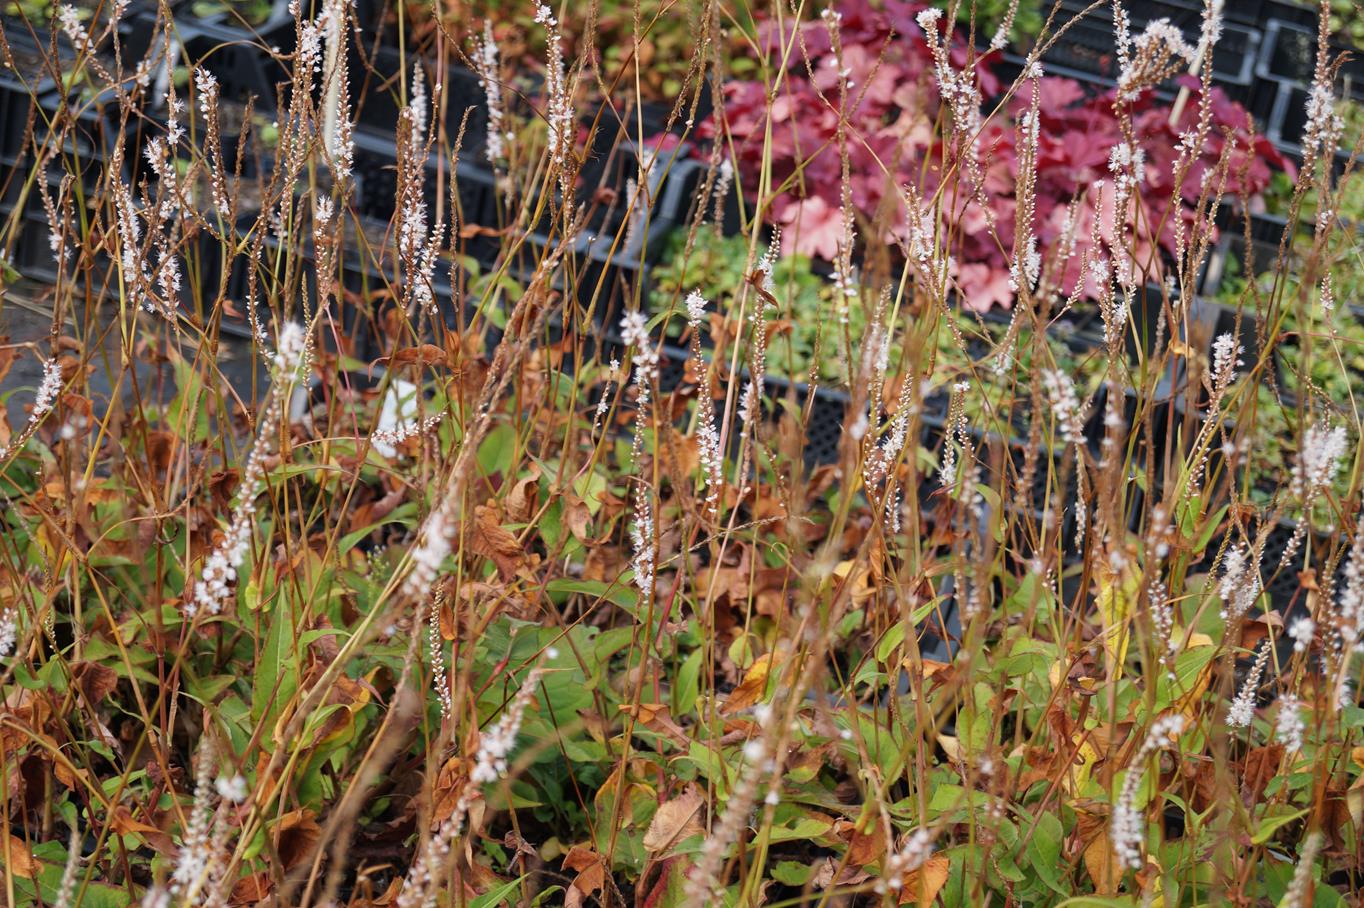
591	875
295	837
491	540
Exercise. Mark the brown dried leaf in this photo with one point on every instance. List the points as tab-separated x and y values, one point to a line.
674	821
296	835
868	846
591	874
19	859
1261	765
924	884
577	516
96	681
521	499
252	890
490	540
422	354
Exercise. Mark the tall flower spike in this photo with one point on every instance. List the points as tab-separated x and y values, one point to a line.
43	402
1288	725
559	110
196	860
1128	833
1065	405
1318	460
1157	53
1242	709
1240	585
488	67
916	849
1350	602
9	632
707	435
422	885
214	586
704	886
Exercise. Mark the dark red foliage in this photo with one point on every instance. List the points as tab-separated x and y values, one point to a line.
895	115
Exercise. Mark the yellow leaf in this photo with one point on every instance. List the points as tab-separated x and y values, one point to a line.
1116	597
1354	800
1078	777
751	689
952	747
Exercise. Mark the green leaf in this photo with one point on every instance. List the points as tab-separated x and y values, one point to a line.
687	687
500	896
276	672
618	593
791	873
1270	825
803	828
498	450
1044	850
890	642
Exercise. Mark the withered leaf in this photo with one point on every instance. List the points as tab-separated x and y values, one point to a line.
751	689
296	835
96	681
924	884
252	890
422	354
491	540
674	821
591	874
19	859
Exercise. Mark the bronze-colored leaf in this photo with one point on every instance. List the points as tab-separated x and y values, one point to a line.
491	540
674	821
17	857
296	835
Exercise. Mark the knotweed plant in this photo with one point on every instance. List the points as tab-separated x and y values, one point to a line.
977	520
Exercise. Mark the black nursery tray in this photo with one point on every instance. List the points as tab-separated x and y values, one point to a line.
1086	48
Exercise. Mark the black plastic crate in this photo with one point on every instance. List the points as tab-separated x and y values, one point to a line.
609	267
376	91
31	253
1088	46
1288	54
1262	12
369	285
1231	254
376	167
246	76
20	89
1288	121
268	24
89	126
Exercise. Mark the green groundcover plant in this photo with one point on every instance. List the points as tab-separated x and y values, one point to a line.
437	590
